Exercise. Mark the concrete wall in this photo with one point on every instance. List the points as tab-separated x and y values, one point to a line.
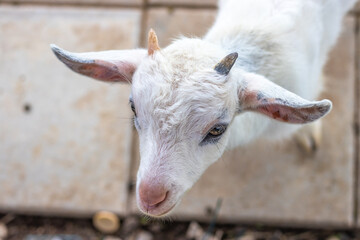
67	145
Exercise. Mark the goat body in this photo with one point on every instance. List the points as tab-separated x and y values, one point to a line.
197	97
285	41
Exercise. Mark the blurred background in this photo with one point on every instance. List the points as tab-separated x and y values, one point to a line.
68	148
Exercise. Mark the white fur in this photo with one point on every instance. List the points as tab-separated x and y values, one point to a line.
179	97
305	30
287	41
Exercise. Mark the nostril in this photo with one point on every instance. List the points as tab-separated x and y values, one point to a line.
157	200
152	195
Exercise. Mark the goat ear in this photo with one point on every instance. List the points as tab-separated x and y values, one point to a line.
258	94
108	66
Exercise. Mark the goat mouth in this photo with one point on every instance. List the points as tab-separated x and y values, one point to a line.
154	214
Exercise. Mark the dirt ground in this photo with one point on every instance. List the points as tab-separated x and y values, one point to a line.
19	227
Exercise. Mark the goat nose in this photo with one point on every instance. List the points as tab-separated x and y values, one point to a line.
152	194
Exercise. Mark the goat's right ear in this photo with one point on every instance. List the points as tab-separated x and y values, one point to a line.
108	66
258	94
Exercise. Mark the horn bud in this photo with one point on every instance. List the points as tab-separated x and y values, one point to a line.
153	44
225	65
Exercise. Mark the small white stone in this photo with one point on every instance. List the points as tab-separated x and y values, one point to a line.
111	238
247	236
194	231
3	231
333	238
144	235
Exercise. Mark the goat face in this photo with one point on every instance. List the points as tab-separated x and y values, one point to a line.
182	109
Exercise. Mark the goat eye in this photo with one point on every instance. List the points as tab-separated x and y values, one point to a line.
214	134
133	108
217	130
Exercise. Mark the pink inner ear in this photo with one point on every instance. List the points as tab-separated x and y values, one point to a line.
282	113
102	70
108	66
292	114
261	95
106	71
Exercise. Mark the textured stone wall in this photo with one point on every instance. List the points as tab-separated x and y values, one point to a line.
67	145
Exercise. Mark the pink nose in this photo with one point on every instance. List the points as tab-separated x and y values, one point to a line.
152	194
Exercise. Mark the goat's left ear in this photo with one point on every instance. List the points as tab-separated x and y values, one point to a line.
258	94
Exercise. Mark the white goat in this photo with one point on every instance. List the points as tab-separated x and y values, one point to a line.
189	106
